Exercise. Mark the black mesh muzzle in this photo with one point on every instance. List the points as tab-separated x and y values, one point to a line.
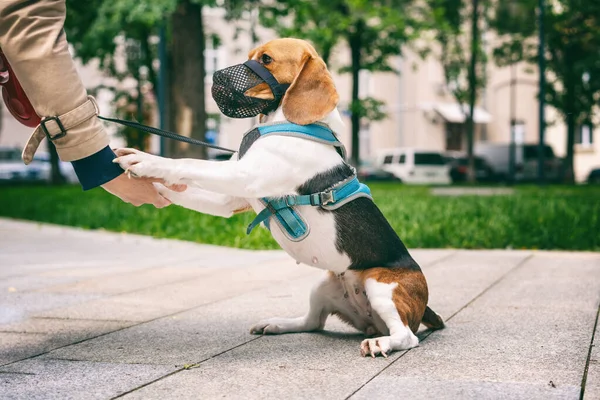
230	85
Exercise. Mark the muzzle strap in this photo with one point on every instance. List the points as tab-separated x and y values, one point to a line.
277	88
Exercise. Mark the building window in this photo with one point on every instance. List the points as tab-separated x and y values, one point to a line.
584	135
454	136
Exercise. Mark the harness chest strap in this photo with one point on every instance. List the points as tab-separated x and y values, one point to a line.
283	207
316	132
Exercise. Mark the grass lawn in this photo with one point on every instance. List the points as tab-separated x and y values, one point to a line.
565	218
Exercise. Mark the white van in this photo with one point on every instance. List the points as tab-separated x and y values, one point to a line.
415	166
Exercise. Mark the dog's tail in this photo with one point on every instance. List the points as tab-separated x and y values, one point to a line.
432	320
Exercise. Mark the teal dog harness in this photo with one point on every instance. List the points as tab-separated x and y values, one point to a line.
284	209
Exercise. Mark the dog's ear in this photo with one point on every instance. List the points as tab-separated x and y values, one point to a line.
312	95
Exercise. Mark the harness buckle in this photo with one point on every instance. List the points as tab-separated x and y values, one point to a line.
290	201
327	198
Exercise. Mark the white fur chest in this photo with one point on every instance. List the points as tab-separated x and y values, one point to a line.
318	249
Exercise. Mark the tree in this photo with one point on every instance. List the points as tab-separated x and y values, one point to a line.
572	56
374	32
93	25
462	60
56	176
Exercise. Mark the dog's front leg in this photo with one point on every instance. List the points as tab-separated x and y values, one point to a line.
256	175
220	205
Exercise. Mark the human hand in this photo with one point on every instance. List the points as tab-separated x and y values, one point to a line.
138	191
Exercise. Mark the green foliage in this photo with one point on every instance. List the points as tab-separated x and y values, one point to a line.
572	35
384	26
572	58
92	26
532	218
369	108
453	45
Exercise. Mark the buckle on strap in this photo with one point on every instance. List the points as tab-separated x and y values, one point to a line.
290	201
62	133
59	126
327	197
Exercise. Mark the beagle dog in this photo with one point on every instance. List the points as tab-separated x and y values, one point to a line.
372	282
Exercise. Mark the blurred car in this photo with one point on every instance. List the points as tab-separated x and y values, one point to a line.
368	171
41	161
594	177
526	161
459	166
12	168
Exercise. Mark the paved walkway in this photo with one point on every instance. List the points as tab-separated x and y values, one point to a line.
100	315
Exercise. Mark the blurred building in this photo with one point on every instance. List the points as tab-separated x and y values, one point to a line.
421	111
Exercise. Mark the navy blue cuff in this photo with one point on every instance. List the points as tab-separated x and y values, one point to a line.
97	169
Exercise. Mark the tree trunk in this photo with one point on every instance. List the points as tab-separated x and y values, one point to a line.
56	177
187	73
472	90
568	168
355	42
571	113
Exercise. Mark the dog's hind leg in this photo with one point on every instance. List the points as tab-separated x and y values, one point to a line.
399	309
314	320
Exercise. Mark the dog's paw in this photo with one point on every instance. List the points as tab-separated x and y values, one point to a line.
140	164
265	328
375	347
125	151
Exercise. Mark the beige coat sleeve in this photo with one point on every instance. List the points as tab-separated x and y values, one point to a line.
34	42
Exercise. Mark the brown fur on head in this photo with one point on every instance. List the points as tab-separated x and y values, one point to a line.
312	94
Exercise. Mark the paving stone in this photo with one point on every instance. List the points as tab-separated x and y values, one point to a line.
507	341
33	281
129	281
18	306
504	336
553	280
18	346
35	336
195	335
58	379
430	256
389	388
318	365
592	387
147	304
464	191
462	276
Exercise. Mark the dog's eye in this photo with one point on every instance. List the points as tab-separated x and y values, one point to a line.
266	59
